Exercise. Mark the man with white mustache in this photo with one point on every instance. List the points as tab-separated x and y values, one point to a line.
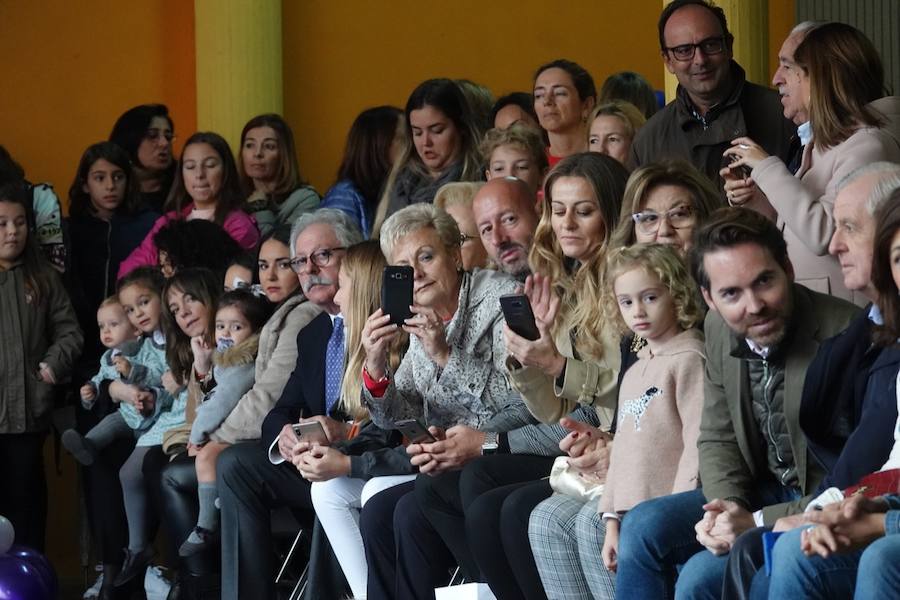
254	478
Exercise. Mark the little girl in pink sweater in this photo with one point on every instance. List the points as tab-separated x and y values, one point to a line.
649	291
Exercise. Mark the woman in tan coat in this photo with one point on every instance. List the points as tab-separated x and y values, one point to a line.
839	81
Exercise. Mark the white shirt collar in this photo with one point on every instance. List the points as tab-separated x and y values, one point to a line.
762	351
804	131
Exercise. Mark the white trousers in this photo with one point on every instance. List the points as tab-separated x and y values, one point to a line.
338	503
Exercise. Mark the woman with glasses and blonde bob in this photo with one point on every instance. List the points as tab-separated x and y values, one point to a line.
267	163
837	81
664	203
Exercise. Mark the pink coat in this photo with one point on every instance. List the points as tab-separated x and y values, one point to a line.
805	201
238	224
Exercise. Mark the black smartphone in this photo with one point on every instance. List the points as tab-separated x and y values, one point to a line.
741	172
414	431
397	293
311	431
519	316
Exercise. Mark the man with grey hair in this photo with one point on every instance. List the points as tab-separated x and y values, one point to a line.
255	478
847	412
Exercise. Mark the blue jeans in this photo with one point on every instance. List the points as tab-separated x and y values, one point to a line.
658	544
870	573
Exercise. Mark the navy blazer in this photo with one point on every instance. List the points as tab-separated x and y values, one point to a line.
304	392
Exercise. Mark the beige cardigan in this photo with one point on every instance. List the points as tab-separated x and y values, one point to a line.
805	201
584	382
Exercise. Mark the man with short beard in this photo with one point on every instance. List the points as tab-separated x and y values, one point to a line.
762	331
255	478
506	221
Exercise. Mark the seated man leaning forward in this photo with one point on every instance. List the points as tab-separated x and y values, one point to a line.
762	331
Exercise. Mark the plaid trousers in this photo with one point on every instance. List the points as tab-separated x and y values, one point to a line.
566	538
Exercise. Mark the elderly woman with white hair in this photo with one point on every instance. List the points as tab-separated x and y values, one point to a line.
454	371
451	379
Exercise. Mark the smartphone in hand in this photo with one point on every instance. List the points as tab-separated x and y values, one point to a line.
414	431
397	293
311	431
519	316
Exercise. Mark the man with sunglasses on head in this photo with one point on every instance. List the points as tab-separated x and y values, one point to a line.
714	103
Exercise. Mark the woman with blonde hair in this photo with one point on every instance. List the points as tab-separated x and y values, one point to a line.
837	81
612	127
664	203
456	200
576	359
345	478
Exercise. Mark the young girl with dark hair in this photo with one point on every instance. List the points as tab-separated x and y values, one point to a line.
373	145
104	227
41	339
206	187
276	192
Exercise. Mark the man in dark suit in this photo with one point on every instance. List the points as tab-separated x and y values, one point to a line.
255	478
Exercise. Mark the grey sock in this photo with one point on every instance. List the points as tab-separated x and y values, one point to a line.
209	517
135	496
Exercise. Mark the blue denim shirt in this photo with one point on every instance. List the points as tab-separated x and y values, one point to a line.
892	518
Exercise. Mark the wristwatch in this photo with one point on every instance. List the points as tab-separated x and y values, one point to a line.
491	443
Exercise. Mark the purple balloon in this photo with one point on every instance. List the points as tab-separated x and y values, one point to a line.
20	580
40	563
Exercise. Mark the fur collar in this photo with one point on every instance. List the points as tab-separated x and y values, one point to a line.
241	354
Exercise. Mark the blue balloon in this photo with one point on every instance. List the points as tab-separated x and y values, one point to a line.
20	580
38	562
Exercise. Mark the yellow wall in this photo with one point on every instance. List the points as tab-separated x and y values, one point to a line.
71	68
342	57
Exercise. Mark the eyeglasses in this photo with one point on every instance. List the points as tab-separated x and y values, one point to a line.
154	134
709	47
463	238
320	258
648	221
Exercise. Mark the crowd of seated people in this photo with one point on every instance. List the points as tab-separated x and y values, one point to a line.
646	352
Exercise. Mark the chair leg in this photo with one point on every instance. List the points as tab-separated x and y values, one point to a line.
290	555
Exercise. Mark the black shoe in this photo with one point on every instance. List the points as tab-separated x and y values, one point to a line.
208	539
135	564
79	446
177	591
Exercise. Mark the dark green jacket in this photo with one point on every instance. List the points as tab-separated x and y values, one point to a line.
732	451
30	334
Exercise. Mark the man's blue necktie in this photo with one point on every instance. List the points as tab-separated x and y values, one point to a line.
334	364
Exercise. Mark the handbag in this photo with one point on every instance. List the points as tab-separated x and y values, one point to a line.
876	484
568	481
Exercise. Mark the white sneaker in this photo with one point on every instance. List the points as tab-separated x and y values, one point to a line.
94	590
155	584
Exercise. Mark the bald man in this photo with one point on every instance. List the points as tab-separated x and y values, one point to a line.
505	216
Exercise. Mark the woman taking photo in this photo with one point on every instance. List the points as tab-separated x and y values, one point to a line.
838	81
206	187
441	146
276	193
146	133
564	95
451	379
374	145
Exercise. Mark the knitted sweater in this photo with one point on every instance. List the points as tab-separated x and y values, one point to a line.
660	401
138	376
